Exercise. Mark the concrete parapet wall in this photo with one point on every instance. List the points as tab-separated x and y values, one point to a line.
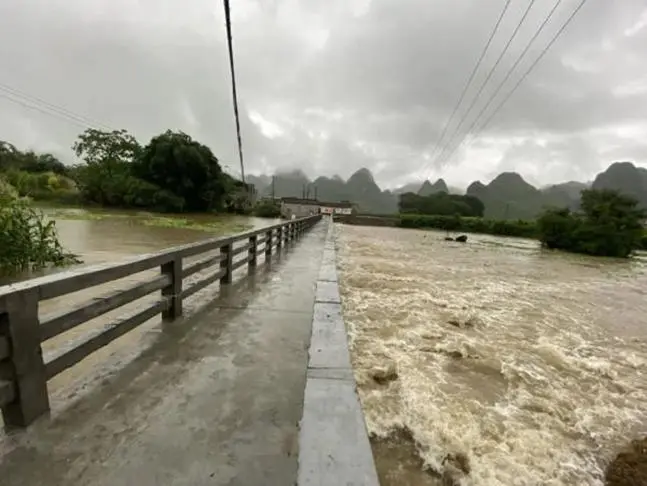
334	448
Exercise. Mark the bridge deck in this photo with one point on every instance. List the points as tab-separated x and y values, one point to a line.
217	402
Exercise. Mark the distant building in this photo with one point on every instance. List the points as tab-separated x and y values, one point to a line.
294	207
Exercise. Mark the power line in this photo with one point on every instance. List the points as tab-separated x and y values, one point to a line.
50	106
525	74
46	111
471	77
507	76
478	94
233	87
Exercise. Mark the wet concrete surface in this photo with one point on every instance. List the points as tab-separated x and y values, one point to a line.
215	401
334	448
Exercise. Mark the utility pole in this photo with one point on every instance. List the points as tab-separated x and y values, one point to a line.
315	193
273	193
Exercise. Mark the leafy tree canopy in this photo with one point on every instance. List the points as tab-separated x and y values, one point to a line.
609	224
100	147
175	162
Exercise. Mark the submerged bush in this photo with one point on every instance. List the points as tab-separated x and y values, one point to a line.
267	209
609	224
27	239
526	229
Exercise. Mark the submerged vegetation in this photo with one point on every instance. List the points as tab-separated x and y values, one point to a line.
198	222
28	241
267	208
608	224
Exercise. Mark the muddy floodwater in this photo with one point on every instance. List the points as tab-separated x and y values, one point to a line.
493	362
101	237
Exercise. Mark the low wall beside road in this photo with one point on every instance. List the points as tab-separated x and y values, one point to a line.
334	448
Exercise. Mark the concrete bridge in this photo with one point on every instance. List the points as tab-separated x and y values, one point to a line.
253	388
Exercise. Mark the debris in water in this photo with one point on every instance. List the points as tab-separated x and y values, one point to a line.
468	323
400	451
629	468
456	466
382	376
461	238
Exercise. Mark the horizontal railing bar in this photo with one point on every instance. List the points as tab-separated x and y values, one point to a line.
239	263
62	283
201	284
57	324
240	249
7	393
4	347
201	265
102	338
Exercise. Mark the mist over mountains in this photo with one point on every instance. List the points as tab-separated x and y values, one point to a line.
507	196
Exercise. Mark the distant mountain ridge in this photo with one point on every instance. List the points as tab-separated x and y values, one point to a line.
507	196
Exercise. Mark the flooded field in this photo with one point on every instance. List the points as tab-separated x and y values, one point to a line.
99	237
493	362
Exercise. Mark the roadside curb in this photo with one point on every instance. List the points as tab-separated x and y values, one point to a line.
334	448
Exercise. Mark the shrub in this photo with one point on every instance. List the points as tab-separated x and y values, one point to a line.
27	239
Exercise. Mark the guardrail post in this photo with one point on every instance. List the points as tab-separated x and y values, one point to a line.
173	292
268	244
226	263
251	253
279	242
19	323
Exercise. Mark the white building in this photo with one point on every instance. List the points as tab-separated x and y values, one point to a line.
294	207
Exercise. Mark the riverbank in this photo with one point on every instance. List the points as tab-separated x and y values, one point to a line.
519	228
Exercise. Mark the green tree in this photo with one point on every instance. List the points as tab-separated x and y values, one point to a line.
108	158
177	163
609	224
101	147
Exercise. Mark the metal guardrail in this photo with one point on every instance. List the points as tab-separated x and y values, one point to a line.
23	371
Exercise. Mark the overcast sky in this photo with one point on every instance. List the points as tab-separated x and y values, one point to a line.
330	86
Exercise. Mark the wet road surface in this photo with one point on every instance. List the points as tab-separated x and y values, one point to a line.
215	400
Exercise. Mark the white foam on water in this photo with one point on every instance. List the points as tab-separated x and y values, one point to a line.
531	363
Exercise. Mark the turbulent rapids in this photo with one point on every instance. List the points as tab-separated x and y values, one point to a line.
493	362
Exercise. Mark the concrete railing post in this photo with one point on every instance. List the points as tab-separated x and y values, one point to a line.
279	241
251	253
226	263
268	244
19	324
173	292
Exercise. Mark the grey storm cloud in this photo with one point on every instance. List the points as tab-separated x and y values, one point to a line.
332	86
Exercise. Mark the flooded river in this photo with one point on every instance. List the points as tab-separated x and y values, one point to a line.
99	237
497	363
